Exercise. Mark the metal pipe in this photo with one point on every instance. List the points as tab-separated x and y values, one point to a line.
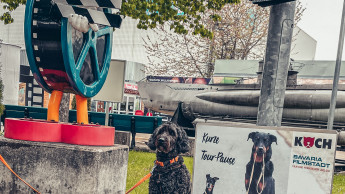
336	72
106	113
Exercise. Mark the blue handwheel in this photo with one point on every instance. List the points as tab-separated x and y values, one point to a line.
62	58
87	72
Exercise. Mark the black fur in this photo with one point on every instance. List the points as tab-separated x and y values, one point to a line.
169	140
263	151
210	183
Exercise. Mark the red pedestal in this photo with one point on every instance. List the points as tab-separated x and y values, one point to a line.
44	131
32	130
95	135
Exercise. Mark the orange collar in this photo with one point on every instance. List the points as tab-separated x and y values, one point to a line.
158	163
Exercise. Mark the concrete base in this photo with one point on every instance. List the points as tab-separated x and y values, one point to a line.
122	137
63	168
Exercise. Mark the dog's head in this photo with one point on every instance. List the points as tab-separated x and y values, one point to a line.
210	182
262	145
169	137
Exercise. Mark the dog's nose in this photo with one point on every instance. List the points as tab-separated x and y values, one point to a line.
161	140
261	149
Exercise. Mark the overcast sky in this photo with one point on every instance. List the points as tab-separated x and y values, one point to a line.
321	20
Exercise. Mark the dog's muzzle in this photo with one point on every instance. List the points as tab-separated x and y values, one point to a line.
162	144
260	151
161	140
209	187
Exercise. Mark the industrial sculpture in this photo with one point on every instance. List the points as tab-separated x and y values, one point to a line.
67	54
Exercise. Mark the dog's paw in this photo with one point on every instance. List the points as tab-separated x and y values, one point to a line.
81	23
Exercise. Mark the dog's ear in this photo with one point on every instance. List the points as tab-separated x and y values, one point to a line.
152	141
182	142
273	138
215	179
208	176
252	135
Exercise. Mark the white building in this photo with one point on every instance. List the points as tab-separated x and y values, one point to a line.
13	33
9	67
303	46
128	42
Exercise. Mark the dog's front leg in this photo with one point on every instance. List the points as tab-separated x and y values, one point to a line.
269	180
183	183
269	168
248	173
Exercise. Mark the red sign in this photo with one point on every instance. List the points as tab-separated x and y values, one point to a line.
139	112
128	91
131	86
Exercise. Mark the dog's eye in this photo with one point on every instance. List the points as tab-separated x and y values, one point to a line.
172	133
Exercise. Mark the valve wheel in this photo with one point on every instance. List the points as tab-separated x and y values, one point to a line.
62	58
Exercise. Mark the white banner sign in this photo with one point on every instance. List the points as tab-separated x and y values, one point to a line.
241	159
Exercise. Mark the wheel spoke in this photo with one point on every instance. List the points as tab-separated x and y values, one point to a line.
82	55
94	63
104	31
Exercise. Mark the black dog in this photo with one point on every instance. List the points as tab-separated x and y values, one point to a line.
258	178
210	182
170	174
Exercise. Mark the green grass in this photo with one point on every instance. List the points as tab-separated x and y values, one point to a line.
141	163
338	184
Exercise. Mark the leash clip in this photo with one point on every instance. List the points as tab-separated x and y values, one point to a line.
153	168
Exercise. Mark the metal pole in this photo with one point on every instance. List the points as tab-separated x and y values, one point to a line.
276	64
106	113
336	72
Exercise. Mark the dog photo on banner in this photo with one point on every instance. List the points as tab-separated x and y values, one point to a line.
246	159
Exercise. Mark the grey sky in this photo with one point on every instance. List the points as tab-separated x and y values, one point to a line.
321	20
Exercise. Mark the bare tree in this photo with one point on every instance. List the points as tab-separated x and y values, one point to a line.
240	34
175	54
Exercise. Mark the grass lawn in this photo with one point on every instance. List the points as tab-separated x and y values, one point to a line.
339	184
141	163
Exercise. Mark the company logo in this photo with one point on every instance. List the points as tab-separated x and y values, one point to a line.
309	142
